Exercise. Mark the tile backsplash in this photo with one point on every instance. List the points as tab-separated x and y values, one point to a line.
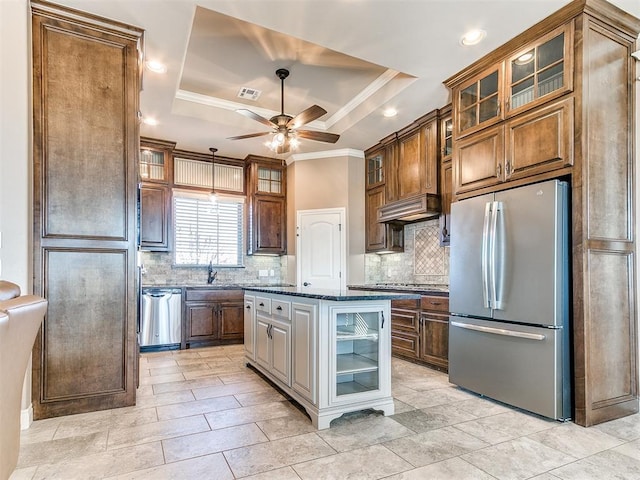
423	259
160	270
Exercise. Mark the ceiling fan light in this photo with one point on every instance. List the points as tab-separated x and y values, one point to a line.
279	138
294	143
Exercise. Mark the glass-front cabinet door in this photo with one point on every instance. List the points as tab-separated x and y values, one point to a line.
479	101
375	169
360	363
153	165
540	71
269	180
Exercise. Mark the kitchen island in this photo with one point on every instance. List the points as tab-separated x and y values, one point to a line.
330	350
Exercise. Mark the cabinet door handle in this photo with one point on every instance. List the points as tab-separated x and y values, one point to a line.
382	321
507	168
248	306
498	170
306	284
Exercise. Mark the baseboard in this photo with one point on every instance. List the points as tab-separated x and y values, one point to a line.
26	417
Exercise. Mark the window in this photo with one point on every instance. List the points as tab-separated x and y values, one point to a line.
206	231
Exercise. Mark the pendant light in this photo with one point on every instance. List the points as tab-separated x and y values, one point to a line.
212	196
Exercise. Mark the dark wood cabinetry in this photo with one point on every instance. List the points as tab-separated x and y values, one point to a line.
565	108
213	317
155	194
267	206
379	237
420	330
85	148
446	173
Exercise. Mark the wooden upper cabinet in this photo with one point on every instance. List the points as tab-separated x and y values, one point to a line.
267	207
155	158
446	134
478	101
417	160
478	160
375	163
540	72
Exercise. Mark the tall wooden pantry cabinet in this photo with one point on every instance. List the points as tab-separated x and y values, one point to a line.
86	83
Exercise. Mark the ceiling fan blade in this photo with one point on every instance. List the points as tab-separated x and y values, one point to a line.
256	117
306	116
318	136
248	135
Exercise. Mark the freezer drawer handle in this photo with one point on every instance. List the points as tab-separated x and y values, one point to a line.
499	331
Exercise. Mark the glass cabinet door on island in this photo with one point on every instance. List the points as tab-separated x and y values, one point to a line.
359	352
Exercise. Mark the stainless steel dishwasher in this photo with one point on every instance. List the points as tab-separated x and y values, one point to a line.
161	325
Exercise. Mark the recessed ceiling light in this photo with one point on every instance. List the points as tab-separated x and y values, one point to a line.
150	121
156	66
473	37
390	112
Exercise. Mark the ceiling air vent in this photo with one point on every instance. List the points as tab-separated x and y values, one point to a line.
249	93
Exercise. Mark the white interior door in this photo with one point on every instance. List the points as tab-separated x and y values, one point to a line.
321	247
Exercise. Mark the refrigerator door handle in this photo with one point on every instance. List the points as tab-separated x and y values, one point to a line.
499	331
486	246
497	255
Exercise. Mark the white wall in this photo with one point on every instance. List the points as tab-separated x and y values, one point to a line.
15	146
15	156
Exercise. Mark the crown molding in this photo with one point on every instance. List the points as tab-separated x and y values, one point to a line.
341	152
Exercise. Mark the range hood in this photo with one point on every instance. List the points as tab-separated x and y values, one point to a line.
420	207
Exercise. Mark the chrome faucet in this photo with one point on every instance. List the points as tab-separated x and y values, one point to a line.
211	275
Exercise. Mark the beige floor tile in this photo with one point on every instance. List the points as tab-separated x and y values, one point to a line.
23	473
452	469
434	446
255	413
187	409
154	380
285	473
626	428
363	464
62	449
376	429
604	465
214	441
199	374
432	418
238	377
220	390
76	425
165	399
193	468
40	430
196	383
152	432
505	426
268	456
100	465
483	407
436	396
631	449
255	398
579	442
520	458
179	368
288	426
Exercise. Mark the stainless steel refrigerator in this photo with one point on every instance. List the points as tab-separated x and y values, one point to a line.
509	330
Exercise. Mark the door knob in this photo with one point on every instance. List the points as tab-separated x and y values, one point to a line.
306	284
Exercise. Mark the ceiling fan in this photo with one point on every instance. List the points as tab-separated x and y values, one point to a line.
285	127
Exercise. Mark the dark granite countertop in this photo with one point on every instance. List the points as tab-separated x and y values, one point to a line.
216	286
422	289
333	294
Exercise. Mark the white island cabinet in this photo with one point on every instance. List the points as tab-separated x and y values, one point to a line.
329	350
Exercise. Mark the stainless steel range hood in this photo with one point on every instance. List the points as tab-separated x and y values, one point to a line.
412	209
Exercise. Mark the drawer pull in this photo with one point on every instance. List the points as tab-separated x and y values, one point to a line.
261	304
248	306
278	307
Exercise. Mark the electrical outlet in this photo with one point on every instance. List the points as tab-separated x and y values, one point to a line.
272	273
263	273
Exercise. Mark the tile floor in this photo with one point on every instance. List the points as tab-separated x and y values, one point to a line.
202	414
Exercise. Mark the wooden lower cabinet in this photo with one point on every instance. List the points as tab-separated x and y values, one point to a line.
213	317
420	330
